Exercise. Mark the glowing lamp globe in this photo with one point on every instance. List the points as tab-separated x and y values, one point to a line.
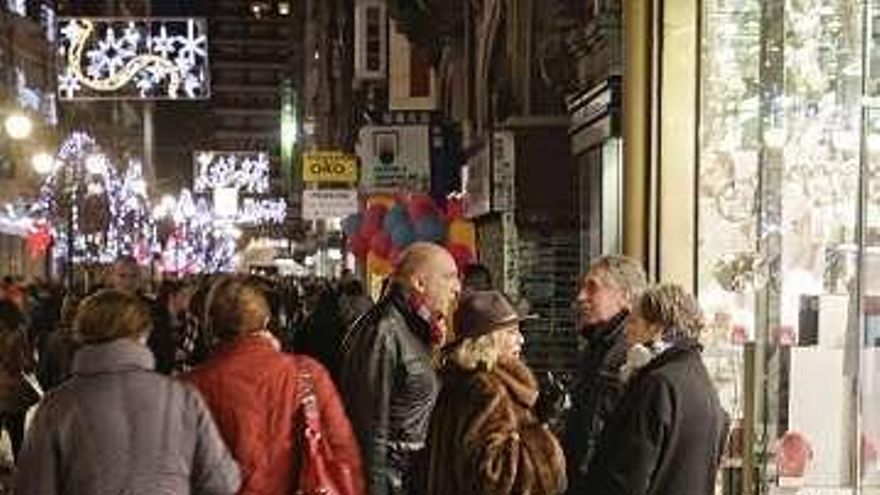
18	126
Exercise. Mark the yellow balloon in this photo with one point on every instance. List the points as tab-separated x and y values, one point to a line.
462	232
380	199
378	265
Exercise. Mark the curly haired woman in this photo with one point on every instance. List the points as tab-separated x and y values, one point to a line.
667	434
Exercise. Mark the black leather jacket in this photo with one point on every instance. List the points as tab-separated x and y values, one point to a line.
389	386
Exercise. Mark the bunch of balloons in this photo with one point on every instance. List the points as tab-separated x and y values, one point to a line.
389	224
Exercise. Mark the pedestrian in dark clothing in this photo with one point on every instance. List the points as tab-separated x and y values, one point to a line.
668	433
388	379
117	426
324	329
353	301
17	393
476	276
603	303
56	354
169	327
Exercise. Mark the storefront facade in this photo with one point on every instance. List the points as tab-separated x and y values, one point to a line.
754	181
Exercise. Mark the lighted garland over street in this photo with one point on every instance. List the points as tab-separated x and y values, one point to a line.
132	58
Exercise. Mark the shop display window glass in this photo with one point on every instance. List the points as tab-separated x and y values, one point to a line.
789	238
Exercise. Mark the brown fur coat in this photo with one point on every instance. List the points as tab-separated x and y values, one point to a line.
485	440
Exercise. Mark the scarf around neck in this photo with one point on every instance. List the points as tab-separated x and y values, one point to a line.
433	319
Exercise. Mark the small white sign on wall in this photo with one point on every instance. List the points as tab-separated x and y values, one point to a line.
320	204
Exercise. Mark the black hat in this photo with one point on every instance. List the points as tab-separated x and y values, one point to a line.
481	312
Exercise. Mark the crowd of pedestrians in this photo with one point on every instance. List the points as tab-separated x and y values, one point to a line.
234	384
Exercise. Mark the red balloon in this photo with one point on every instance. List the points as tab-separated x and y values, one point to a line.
454	209
420	205
358	245
462	254
375	213
369	230
373	218
380	244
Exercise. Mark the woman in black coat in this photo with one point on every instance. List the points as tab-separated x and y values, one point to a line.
668	432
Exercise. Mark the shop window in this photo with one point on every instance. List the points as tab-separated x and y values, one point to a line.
789	238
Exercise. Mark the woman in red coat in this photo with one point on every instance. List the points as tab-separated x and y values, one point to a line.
254	392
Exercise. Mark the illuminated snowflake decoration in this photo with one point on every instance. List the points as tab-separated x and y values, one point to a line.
260	211
246	171
132	58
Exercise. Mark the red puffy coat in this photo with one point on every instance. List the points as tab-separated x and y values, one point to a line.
252	391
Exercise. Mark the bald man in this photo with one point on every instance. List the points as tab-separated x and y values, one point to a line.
388	381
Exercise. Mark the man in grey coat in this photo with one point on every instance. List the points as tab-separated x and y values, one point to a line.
117	426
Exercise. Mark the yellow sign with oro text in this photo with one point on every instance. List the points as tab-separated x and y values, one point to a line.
329	166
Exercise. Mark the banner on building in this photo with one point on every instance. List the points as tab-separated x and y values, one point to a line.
132	58
412	83
395	158
322	204
330	167
489	178
475	182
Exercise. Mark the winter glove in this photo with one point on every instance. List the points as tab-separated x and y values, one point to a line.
552	401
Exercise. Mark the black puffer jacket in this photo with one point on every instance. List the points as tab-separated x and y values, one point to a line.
390	386
667	435
596	393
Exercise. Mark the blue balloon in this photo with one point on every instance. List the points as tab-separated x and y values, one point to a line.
396	216
431	228
403	235
352	223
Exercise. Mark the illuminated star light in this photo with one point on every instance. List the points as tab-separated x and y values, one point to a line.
192	47
110	55
68	84
162	44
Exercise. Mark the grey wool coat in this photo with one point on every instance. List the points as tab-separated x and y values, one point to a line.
116	427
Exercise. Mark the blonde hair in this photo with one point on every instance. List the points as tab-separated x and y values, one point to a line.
111	315
235	306
673	308
622	272
476	352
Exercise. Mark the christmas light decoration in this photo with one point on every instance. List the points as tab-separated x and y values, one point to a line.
195	240
246	171
265	210
85	197
17	6
132	58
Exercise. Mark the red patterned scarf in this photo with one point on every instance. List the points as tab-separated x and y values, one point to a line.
435	320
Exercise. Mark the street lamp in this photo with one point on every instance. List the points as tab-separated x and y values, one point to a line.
18	126
43	163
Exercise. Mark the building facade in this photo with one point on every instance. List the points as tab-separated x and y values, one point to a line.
502	77
749	155
27	87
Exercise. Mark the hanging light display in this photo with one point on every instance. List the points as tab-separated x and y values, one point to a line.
132	58
246	171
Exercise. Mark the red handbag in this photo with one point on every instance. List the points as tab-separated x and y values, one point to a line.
320	473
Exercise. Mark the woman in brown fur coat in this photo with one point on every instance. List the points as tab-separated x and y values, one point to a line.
485	437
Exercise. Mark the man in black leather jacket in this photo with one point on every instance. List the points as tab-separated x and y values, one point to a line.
607	291
388	379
